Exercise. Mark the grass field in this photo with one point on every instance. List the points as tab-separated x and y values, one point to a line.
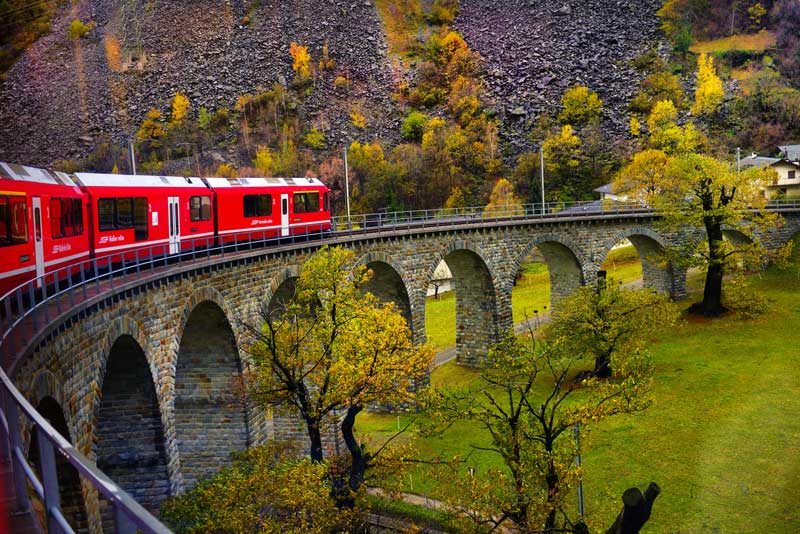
753	42
722	439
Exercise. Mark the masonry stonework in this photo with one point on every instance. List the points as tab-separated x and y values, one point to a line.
187	326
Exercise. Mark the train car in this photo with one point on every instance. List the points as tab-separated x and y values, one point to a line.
42	224
128	212
259	208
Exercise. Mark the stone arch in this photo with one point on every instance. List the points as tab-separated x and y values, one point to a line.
129	438
281	288
69	481
736	236
565	261
483	311
656	274
390	282
210	419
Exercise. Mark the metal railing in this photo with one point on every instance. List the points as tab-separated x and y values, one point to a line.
29	309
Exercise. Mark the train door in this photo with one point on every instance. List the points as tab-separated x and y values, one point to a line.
174	225
284	215
38	247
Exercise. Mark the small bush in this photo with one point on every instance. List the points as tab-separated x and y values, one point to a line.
78	30
340	82
358	119
414	126
315	139
226	170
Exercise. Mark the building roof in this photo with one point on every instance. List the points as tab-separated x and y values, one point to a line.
605	189
790	152
760	161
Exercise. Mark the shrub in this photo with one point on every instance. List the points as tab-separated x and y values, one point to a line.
203	118
358	119
315	139
414	126
226	170
580	106
301	60
340	82
78	30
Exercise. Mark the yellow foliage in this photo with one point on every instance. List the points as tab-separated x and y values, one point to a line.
560	150
503	201
667	135
580	106
226	170
635	127
358	119
151	130
710	92
264	161
115	169
301	64
180	107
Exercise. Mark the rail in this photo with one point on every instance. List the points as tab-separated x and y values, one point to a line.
28	309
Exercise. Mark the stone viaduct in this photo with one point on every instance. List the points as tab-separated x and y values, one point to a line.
143	378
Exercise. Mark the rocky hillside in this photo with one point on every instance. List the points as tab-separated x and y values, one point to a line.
535	49
62	94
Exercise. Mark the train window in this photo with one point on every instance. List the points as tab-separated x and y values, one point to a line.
105	214
124	213
326	202
55	218
140	218
200	208
306	202
257	205
66	217
13	220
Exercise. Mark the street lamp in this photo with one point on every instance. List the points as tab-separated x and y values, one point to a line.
346	188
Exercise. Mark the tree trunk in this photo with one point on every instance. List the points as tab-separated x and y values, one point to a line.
315	437
552	495
602	367
712	292
359	458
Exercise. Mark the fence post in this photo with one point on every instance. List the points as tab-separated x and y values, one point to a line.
15	444
47	465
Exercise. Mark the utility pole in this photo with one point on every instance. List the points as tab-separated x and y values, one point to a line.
541	168
132	155
577	430
346	188
738	159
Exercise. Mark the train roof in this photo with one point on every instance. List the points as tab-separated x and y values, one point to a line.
23	173
219	183
88	179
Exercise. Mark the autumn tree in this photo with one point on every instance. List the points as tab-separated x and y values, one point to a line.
528	402
562	159
180	108
710	93
301	61
330	351
266	489
580	106
701	192
606	323
667	135
152	130
503	201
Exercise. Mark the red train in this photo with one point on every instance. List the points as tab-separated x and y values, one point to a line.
51	220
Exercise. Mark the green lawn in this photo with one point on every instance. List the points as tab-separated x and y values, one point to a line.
722	439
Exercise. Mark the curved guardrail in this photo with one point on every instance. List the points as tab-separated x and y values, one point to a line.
28	309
